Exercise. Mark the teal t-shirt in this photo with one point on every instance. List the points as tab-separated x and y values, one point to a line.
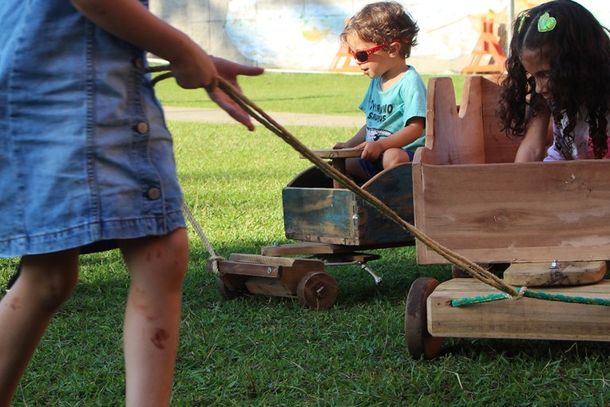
389	111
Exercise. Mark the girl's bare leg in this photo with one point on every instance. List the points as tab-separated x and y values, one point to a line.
157	266
46	281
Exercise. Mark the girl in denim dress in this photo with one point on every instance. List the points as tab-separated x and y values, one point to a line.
86	157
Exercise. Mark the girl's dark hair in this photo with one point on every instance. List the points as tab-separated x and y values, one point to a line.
382	23
578	51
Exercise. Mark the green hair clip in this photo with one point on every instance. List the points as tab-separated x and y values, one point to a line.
522	21
546	23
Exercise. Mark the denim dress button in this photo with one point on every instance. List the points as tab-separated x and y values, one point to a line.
142	127
153	193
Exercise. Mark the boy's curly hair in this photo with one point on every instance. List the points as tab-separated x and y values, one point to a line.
382	23
578	51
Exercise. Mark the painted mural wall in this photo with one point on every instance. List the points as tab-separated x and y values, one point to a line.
303	34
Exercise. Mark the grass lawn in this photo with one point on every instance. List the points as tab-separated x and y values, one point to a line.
262	351
289	92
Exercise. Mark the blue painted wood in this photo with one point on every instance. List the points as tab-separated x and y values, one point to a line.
337	216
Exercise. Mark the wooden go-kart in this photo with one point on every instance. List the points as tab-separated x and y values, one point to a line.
332	226
549	221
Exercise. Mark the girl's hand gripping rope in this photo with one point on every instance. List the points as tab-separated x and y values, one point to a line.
227	70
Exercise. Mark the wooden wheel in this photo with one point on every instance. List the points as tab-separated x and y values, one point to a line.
419	341
317	290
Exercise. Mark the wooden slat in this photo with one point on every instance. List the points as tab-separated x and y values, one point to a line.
561	274
267	286
320	215
533	212
453	138
525	318
499	147
248	269
291	249
258	259
394	187
340	153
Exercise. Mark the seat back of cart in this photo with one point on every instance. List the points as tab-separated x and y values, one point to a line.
470	197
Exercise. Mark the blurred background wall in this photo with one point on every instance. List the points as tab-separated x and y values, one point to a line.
302	35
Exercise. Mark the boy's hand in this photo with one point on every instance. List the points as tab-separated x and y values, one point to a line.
371	150
340	145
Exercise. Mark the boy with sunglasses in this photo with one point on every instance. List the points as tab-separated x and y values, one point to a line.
380	38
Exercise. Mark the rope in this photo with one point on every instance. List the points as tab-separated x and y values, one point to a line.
214	258
258	114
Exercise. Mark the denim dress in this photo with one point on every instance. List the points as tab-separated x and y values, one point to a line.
85	155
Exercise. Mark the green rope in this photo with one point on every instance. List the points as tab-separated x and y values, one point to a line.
477	299
567	298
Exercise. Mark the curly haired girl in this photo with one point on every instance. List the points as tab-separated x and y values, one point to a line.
557	90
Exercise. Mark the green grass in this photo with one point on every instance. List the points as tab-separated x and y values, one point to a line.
268	351
290	92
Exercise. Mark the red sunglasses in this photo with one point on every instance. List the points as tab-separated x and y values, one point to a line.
363	55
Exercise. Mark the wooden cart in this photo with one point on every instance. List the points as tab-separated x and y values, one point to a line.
333	226
470	197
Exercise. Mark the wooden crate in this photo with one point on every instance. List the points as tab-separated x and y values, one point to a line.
314	211
470	197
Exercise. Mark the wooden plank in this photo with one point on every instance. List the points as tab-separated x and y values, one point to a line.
348	258
499	147
533	212
453	138
331	153
313	248
320	215
267	286
525	318
559	274
259	259
394	188
247	269
307	248
291	249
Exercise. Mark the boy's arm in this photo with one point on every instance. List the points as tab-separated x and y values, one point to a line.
356	140
534	143
408	134
189	63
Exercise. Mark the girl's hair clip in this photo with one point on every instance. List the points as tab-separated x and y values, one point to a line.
522	21
546	23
